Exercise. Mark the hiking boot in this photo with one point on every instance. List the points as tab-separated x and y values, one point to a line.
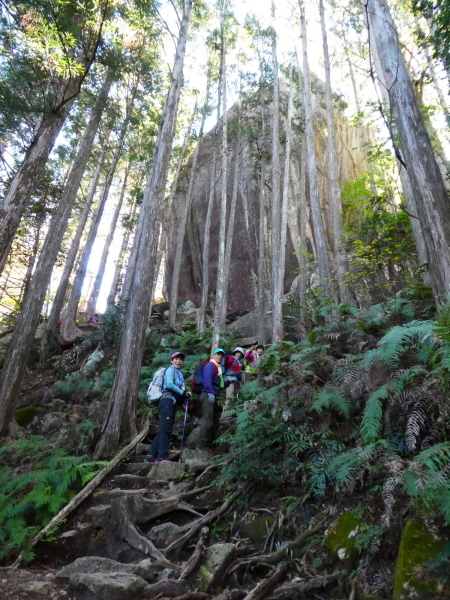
149	459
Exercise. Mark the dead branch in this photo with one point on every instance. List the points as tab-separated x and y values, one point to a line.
196	556
261	591
85	492
291	591
189	530
275	557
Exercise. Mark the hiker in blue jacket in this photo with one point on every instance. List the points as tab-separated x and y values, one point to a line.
212	384
172	397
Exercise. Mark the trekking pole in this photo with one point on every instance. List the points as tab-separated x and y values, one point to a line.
184	428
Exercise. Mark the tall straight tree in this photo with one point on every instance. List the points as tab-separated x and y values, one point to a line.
279	289
120	419
92	301
316	210
219	310
261	302
71	258
18	351
277	317
58	101
416	149
185	211
69	330
333	172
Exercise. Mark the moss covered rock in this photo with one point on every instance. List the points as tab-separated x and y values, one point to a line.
257	530
341	536
24	416
412	577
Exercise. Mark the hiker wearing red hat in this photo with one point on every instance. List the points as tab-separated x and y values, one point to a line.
173	395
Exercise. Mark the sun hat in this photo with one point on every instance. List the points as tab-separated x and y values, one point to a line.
239	349
218	351
178	354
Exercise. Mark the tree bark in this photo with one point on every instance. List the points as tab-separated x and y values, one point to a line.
418	156
261	306
206	243
69	330
181	230
277	314
333	173
28	319
218	323
275	208
70	260
93	297
316	210
120	415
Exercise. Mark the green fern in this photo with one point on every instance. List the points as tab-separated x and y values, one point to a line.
330	398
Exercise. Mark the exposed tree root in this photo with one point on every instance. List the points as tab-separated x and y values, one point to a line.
295	590
140	510
263	589
86	491
196	556
195	491
211	468
276	557
188	531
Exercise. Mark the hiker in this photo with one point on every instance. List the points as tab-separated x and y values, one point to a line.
254	355
94	319
209	398
232	367
173	396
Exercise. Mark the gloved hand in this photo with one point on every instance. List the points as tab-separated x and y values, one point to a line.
211	398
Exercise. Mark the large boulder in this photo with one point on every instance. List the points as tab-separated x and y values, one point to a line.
341	536
97	564
161	533
106	586
166	470
216	561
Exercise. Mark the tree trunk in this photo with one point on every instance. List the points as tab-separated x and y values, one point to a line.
93	297
114	290
316	211
261	303
279	290
362	131
181	232
69	330
28	319
70	260
333	173
205	253
218	324
275	208
120	414
423	171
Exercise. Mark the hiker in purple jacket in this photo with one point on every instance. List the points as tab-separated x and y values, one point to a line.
212	380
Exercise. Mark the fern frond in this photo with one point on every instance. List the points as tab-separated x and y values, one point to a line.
373	413
330	398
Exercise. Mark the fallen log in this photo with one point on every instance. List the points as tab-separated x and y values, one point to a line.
294	590
85	492
263	589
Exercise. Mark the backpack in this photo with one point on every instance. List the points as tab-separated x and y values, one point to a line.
155	389
225	360
197	378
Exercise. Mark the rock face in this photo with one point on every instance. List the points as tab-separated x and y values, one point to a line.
242	288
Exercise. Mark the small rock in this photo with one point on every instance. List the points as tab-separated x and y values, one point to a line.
192	440
106	586
94	360
95	564
146	569
196	460
69	534
216	561
166	470
161	533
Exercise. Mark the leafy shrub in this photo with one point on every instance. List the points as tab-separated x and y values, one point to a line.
73	385
36	481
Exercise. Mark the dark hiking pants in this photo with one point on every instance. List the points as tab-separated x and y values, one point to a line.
209	426
161	443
